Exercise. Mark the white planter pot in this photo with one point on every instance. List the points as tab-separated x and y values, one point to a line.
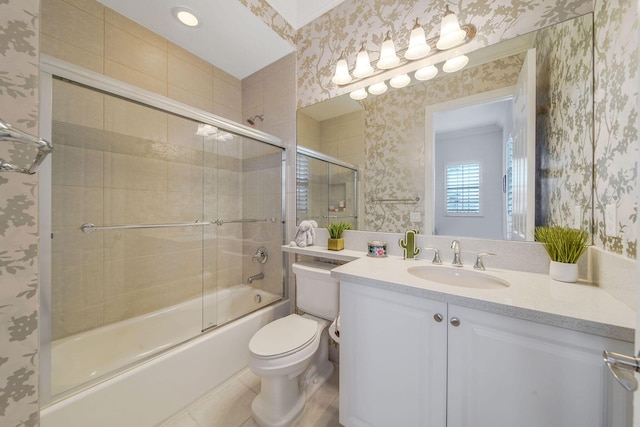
563	272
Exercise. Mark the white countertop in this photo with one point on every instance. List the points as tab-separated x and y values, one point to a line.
531	296
323	252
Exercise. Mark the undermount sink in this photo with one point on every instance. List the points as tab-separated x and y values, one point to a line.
458	277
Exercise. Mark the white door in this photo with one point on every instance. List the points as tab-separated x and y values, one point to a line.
524	151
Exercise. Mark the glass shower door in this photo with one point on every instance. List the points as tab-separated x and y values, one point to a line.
242	248
127	251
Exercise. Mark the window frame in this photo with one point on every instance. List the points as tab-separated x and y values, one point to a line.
479	213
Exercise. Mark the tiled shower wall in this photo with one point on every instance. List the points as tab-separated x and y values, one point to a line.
272	93
87	34
119	163
19	362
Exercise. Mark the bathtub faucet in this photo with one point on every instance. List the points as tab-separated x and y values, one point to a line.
258	276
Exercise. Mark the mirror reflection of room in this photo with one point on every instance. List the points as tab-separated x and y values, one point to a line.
389	137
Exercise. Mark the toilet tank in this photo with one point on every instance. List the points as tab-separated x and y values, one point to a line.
317	293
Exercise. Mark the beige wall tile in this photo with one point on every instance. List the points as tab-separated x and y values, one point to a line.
127	118
202	102
91	6
186	56
189	77
136	173
117	20
59	49
73	321
77	166
228	94
136	53
134	77
72	25
76	205
183	132
227	112
77	105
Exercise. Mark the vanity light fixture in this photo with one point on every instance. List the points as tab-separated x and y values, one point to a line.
456	63
358	94
418	47
388	57
342	76
400	81
451	35
378	88
426	73
363	63
186	16
414	58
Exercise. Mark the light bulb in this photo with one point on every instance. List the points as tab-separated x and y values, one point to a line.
377	88
456	63
388	58
400	81
363	64
418	47
342	76
358	94
426	73
451	34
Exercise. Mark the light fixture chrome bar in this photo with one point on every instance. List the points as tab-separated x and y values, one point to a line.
90	228
221	221
407	200
10	134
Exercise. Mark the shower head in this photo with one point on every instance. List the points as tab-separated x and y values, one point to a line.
252	120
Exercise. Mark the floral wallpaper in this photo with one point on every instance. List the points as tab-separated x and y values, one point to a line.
272	18
616	124
615	133
564	80
345	27
18	220
395	132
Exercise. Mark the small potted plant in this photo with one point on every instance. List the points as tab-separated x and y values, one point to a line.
564	246
336	242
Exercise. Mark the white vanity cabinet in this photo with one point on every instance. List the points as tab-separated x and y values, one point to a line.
410	361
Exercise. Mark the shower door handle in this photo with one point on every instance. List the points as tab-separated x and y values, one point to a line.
622	367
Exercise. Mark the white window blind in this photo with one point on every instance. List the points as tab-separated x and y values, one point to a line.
302	184
463	188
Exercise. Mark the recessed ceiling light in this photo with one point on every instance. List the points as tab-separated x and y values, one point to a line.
186	16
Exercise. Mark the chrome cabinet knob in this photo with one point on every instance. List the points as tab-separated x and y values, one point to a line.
438	317
455	321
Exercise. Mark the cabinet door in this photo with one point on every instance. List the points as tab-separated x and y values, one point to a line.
392	359
506	372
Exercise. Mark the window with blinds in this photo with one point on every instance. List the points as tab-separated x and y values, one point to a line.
302	185
463	189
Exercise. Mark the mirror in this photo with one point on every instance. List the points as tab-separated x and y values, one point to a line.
390	137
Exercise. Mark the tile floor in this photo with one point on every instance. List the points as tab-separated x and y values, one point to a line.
230	405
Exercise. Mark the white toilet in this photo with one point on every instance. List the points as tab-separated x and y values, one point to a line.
291	354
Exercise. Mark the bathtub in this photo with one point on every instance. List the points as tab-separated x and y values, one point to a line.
150	392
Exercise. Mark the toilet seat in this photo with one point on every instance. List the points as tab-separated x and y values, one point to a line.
283	337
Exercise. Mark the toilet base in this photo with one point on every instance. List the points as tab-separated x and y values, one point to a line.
315	376
264	415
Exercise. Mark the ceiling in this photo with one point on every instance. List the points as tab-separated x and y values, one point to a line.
229	36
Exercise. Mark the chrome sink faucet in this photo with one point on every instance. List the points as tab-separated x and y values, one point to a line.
455	245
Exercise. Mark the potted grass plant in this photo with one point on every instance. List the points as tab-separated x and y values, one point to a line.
564	247
336	241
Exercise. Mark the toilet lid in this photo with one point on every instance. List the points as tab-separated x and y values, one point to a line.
283	336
